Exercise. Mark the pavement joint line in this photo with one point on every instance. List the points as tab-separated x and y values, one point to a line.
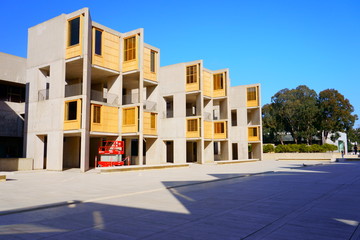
356	234
71	202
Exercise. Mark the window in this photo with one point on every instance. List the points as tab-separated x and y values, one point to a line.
153	61
71	111
219	127
233	118
253	132
169	107
192	125
74	31
218	81
191	74
98	40
129	116
130	48
12	93
251	94
153	120
97	114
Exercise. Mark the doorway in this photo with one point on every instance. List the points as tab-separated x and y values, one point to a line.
169	151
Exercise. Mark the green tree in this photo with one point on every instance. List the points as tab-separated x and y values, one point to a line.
273	128
335	113
296	110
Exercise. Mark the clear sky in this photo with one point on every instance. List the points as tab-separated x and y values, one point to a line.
278	43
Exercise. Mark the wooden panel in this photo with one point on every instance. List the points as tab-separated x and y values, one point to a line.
73	124
192	127
148	74
219	85
253	134
109	120
110	51
130	120
131	65
207	83
150	123
75	50
252	94
220	129
208	130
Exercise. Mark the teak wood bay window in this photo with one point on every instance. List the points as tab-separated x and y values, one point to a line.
252	97
192	78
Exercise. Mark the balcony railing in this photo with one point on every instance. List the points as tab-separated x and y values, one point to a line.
73	90
207	116
43	95
150	106
102	96
130	98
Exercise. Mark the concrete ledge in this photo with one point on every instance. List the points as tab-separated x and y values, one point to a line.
330	156
236	161
141	167
2	178
16	164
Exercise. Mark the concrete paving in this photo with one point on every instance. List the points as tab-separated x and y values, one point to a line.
256	200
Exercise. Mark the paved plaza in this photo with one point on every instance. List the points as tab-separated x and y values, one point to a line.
255	200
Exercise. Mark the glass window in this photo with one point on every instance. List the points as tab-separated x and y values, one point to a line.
251	94
153	121
129	116
152	61
74	31
71	113
218	81
97	114
191	74
98	40
130	48
219	127
192	125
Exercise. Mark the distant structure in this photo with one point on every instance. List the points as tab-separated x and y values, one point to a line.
88	83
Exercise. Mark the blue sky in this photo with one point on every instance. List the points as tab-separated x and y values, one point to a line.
278	43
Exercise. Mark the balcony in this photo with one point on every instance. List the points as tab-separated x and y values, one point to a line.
73	90
105	97
130	99
193	127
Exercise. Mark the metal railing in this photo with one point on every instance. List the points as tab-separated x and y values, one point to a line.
43	95
73	90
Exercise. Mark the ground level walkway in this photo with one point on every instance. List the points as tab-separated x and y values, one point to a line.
258	200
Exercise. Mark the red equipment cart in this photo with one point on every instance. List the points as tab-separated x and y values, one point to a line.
110	154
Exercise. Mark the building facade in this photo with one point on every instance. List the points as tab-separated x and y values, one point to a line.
89	83
12	105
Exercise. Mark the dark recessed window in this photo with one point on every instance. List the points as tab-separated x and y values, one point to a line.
72	110
74	31
152	61
98	35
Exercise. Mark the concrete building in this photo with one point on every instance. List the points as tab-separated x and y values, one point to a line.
89	83
12	105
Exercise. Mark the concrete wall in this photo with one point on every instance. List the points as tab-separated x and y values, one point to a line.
12	68
301	156
16	164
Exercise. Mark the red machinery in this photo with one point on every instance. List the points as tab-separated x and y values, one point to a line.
110	154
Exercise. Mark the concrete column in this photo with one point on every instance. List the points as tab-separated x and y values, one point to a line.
141	97
85	128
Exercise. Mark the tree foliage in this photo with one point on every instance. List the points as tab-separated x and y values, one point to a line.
335	112
304	114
